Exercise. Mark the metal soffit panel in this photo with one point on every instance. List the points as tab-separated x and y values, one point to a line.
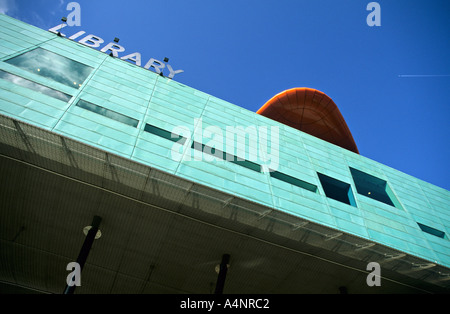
165	234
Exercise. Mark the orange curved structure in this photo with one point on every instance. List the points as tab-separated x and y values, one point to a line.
312	112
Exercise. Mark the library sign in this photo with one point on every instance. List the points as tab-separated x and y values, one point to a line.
113	48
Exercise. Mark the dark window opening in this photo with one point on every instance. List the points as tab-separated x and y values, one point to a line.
228	157
294	181
337	190
164	134
107	113
374	188
18	80
433	231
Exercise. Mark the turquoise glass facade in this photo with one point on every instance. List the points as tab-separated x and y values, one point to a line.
127	110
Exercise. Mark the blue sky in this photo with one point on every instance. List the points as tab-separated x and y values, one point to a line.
390	82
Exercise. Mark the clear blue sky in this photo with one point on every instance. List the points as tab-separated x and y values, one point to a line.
391	83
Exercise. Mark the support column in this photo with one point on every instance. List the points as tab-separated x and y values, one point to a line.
222	273
85	249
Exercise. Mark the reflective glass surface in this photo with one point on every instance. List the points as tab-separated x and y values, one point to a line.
52	66
107	113
34	86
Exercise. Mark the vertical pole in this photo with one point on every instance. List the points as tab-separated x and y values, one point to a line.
222	273
85	249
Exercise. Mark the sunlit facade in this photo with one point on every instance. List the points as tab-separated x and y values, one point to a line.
84	133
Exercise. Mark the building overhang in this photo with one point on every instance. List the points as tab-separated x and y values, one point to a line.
165	234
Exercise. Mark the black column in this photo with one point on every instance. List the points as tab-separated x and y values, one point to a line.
222	274
85	249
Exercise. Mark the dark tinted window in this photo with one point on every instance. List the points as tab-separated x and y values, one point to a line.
337	190
293	181
433	231
163	133
225	156
373	187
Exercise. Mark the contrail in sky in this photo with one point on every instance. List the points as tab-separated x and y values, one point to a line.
425	75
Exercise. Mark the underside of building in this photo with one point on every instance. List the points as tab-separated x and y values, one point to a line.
163	234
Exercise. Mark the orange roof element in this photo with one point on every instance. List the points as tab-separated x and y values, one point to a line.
312	112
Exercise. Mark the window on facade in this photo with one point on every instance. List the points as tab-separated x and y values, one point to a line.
293	181
107	113
374	188
53	66
337	190
225	156
433	231
164	133
34	86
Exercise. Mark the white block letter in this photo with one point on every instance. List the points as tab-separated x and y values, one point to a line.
157	65
374	17
74	17
91	41
181	148
115	48
374	278
135	57
74	278
213	148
